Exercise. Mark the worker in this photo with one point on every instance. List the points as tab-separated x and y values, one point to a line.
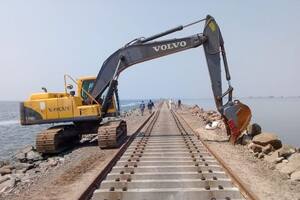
179	104
142	107
150	105
170	104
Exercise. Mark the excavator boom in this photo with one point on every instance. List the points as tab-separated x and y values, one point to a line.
235	114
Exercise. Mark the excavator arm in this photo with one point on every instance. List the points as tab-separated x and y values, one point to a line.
140	52
235	114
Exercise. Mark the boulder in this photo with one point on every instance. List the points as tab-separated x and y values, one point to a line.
21	171
26	178
212	126
52	162
245	139
21	154
27	149
195	109
267	149
4	178
272	158
23	166
33	156
7	169
61	159
286	150
44	166
261	156
295	176
255	147
285	161
279	159
292	165
267	138
253	129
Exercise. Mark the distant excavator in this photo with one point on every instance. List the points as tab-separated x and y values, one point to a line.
95	108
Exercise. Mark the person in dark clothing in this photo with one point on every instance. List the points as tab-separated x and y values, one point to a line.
142	107
179	104
150	105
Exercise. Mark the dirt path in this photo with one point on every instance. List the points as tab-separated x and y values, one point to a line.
80	167
260	176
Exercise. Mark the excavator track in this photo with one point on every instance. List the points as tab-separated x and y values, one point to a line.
112	134
57	139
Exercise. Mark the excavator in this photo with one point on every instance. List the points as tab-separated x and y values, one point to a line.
95	108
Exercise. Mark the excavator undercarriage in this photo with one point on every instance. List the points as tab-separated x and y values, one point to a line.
59	138
112	134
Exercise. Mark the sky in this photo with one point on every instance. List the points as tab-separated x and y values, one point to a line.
40	41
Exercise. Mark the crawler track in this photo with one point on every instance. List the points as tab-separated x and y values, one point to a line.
166	161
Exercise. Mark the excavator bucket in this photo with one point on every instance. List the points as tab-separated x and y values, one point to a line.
236	115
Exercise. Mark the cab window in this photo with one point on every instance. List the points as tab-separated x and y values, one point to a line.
87	86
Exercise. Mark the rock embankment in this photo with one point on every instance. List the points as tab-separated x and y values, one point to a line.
267	146
26	165
212	118
264	145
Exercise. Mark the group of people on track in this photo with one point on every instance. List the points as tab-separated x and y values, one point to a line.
150	106
172	105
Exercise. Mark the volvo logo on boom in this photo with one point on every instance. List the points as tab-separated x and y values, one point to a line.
173	45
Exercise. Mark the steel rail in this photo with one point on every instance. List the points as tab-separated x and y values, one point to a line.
127	170
246	192
88	192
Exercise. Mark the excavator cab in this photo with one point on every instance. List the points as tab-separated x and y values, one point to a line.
87	85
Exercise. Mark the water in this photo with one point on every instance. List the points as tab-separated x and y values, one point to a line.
277	115
14	136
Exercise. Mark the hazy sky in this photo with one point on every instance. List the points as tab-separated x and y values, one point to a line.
40	41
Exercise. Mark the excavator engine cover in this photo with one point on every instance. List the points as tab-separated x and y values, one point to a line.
237	117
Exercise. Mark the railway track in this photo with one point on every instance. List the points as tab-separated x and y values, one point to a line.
166	161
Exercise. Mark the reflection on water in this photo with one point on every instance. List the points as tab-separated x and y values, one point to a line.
277	115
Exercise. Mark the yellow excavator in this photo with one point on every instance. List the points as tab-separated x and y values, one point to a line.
95	108
46	107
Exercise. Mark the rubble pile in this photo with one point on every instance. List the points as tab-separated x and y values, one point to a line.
26	165
268	147
131	112
212	118
264	145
